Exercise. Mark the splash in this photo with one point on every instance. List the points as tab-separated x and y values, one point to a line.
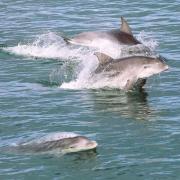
147	41
85	80
48	46
80	62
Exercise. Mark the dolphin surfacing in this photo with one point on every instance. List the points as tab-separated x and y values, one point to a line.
122	36
132	70
55	143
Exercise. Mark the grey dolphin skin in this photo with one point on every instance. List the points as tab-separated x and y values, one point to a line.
122	36
133	70
67	143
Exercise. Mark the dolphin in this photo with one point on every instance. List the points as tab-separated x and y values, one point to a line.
56	143
122	36
133	70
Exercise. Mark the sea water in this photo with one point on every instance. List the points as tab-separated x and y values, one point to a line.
46	87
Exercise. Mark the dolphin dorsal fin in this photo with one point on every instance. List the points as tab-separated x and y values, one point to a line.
125	27
103	58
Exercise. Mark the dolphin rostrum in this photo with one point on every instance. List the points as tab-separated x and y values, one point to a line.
55	143
132	70
122	36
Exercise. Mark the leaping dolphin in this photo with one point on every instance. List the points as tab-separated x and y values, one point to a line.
122	36
132	70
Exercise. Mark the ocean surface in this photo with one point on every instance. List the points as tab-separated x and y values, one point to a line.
45	88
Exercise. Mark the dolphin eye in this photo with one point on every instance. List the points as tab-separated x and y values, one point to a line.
145	67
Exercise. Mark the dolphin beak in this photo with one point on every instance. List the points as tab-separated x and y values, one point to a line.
93	144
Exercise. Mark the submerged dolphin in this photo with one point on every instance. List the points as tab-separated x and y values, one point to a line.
132	70
56	143
122	36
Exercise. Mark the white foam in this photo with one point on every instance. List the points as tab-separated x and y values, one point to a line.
49	45
95	82
147	40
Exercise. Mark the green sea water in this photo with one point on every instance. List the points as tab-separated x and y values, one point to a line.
137	133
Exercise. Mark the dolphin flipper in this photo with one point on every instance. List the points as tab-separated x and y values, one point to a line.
140	83
129	84
134	83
